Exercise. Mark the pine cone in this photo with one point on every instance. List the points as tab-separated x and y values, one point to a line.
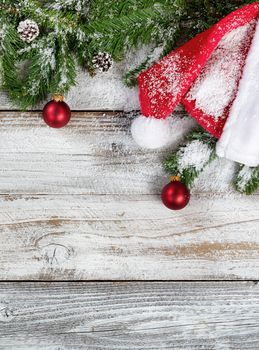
102	61
28	30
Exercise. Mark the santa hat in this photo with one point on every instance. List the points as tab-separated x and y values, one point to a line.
215	77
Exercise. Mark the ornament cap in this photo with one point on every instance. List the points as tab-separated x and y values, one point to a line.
175	178
58	98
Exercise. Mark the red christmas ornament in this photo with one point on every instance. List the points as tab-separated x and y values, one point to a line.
175	195
56	113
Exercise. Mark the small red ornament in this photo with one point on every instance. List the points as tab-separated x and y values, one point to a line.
56	113
175	195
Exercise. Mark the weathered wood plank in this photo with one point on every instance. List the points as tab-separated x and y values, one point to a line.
82	203
119	237
129	316
95	154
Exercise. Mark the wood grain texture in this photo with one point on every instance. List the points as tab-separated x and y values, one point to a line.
95	154
83	203
117	237
92	316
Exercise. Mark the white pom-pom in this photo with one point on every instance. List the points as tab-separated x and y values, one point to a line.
151	132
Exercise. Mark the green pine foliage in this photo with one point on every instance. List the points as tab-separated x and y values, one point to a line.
47	65
73	31
192	157
247	179
131	23
196	153
194	17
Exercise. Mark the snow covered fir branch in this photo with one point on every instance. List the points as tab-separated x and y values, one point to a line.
42	42
247	179
191	158
196	153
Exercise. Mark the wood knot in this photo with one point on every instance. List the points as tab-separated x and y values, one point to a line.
6	313
55	255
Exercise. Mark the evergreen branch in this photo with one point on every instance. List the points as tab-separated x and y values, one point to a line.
130	78
80	7
75	30
65	73
45	17
117	35
115	8
192	157
247	179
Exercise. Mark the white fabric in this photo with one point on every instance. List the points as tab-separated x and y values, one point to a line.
240	139
151	133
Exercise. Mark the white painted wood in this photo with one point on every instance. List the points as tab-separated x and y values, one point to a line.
124	237
94	154
83	203
182	316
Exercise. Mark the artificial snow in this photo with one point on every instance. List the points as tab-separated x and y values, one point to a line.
216	86
196	154
244	176
81	6
106	91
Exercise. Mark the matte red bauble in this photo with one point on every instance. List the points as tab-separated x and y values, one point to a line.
56	113
175	195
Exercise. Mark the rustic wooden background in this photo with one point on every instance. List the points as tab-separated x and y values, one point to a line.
90	259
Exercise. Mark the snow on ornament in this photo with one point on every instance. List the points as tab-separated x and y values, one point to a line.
28	30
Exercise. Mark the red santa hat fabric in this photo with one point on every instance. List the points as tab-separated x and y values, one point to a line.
203	74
